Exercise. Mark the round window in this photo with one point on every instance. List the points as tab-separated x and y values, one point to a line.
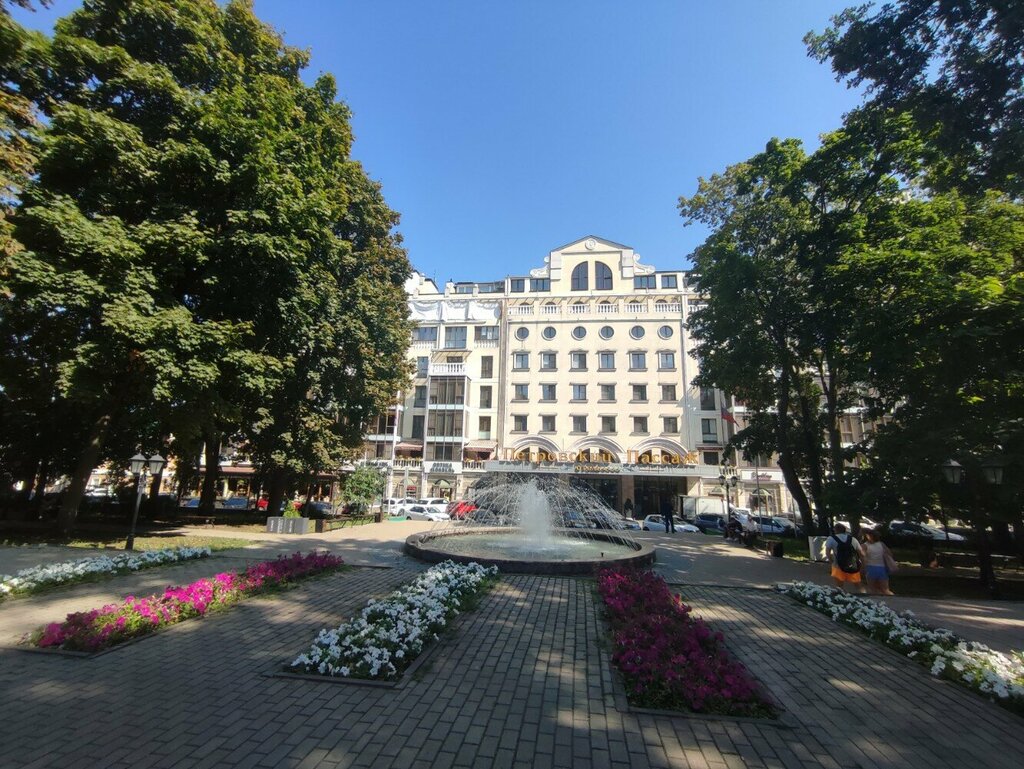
637	332
579	332
607	332
665	332
522	332
548	332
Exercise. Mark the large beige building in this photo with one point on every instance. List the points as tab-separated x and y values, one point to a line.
582	369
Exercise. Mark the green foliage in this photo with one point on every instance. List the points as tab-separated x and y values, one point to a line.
364	485
203	255
956	67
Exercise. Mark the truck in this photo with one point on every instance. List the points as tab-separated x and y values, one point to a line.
691	507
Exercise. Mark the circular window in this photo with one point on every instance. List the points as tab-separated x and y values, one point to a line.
665	332
548	332
522	332
637	332
579	332
607	332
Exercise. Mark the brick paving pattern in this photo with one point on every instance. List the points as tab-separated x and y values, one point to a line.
525	681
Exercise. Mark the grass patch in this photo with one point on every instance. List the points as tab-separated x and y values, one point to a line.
147	542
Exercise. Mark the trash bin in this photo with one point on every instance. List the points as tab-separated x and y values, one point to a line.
776	550
378	517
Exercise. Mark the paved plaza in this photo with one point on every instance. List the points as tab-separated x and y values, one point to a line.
524	681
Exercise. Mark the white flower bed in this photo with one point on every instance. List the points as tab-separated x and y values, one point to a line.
390	634
989	672
48	575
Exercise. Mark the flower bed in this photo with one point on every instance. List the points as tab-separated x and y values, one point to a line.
390	634
670	659
113	624
988	672
69	572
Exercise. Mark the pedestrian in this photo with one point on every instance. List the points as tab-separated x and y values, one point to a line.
844	553
666	514
627	509
878	563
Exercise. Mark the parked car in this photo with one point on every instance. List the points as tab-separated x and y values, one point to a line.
423	513
631	523
461	509
236	503
920	531
317	510
767	524
437	504
710	523
657	523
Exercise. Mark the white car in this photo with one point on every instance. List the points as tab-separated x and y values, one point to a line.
421	513
436	504
657	523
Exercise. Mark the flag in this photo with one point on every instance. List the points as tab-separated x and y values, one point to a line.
727	416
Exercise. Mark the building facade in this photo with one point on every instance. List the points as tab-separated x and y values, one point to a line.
581	369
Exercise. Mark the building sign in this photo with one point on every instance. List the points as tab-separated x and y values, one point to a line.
603	458
449	468
582	464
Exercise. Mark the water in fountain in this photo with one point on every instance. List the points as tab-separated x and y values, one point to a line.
541	518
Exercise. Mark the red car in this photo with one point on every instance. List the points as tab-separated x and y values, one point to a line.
459	509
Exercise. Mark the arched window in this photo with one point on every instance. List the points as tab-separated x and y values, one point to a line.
602	277
579	277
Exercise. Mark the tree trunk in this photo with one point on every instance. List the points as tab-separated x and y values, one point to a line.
812	445
42	479
277	482
986	571
786	462
87	462
208	496
154	493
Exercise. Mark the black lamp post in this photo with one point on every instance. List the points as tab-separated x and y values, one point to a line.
138	465
727	480
992	472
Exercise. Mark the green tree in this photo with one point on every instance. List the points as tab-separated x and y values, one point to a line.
364	485
956	66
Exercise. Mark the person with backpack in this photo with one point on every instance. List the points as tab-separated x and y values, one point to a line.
846	556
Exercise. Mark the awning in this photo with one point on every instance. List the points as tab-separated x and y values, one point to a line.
481	446
409	446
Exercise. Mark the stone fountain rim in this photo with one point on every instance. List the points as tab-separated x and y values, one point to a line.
642	555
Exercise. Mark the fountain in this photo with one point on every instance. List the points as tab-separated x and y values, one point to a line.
533	525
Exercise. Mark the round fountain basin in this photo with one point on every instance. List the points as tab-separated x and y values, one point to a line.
569	552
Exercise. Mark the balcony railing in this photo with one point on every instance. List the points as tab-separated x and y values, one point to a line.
473	465
549	309
607	308
447	369
522	309
412	464
485	343
424	344
636	307
666	307
457	400
579	309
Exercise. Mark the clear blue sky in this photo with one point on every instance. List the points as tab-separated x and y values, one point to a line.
503	130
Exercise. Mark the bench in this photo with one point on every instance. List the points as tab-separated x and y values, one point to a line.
205	520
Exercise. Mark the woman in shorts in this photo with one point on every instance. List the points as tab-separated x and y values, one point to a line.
877	558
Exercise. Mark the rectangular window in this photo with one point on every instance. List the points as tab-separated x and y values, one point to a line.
424	334
707	399
540	284
606	361
547	361
578	361
464	288
491	288
710	457
579	392
485	397
669	281
639	424
422	363
670	424
579	424
709	430
608	392
519	423
455	338
643	281
484	429
448	391
608	424
444	451
547	423
520	392
517	285
487	367
486	333
419	399
547	392
639	392
417	427
668	392
638	361
666	361
444	424
520	361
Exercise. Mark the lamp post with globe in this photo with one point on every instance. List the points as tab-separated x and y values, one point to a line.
138	465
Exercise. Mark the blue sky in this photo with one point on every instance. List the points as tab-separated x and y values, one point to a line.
503	130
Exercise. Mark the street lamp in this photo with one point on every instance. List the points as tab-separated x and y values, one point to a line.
727	479
953	472
992	472
138	468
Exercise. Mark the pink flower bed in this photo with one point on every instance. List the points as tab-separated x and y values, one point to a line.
113	624
669	658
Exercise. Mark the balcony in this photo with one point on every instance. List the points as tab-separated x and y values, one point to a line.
549	309
424	344
456	402
664	307
607	308
447	369
521	309
485	343
412	464
636	307
579	309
